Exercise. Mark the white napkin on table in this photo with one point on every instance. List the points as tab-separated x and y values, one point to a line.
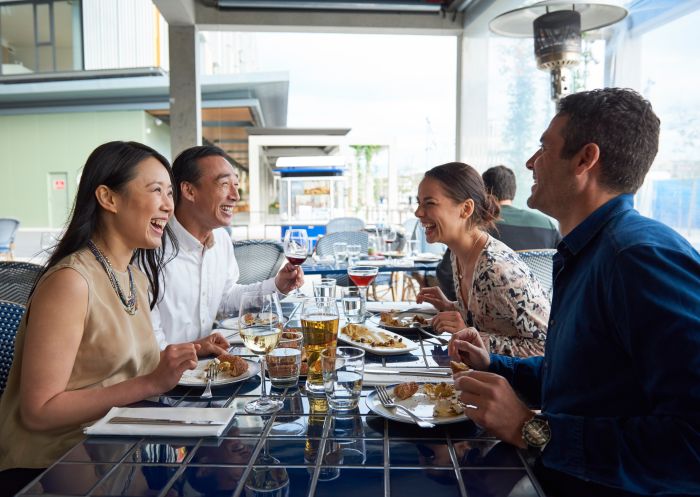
374	379
399	306
103	427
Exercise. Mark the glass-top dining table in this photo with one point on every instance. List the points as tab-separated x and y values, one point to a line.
306	449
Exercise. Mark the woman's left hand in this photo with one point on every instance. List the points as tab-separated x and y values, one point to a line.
448	321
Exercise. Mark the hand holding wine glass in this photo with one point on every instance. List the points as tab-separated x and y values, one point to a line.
260	323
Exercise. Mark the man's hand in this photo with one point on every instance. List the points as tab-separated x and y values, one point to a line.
497	408
214	344
433	295
466	346
289	278
448	321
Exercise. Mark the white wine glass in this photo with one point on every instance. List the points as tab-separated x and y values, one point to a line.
260	322
296	249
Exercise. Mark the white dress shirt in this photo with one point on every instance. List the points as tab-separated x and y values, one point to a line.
196	286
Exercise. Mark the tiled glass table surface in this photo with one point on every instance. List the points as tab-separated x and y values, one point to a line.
313	450
330	268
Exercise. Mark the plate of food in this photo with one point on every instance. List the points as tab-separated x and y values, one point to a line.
375	340
232	369
434	402
399	321
250	319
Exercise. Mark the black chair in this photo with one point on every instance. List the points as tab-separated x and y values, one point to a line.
540	263
17	280
258	260
10	317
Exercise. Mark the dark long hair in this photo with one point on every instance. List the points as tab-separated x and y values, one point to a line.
461	182
112	164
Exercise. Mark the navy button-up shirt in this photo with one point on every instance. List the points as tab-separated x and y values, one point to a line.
620	379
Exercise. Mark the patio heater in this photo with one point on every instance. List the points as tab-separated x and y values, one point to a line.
556	27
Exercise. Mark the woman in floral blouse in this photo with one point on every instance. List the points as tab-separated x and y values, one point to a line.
496	292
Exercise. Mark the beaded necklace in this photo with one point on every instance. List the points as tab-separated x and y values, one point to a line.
129	304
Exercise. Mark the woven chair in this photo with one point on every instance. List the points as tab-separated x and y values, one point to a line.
339	224
258	260
540	263
10	316
324	247
8	230
17	280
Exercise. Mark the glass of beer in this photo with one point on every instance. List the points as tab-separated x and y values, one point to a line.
319	324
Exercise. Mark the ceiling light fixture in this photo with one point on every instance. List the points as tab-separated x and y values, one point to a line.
557	27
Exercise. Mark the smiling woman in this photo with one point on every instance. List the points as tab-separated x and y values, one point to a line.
86	343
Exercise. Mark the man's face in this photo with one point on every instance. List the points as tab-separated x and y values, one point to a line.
553	175
215	194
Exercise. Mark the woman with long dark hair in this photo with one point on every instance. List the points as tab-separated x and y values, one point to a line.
86	342
496	292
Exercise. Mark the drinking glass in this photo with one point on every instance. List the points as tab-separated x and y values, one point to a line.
354	251
284	361
296	249
362	276
324	288
389	234
343	369
353	304
319	324
260	323
340	251
267	478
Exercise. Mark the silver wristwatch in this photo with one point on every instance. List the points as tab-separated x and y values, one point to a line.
536	432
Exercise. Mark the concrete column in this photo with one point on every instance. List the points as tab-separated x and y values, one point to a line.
185	92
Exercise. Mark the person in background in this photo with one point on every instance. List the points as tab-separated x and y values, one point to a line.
200	281
85	343
496	293
618	383
520	229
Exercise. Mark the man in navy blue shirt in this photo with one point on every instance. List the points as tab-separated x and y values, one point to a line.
619	385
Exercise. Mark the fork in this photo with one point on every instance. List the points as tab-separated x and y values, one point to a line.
386	401
440	340
212	372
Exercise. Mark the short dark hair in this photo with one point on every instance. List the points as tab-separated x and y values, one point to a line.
461	182
186	168
500	182
623	125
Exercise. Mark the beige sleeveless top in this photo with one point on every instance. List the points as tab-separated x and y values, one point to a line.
115	347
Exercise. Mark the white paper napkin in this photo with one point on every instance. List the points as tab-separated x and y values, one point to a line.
399	306
224	415
374	379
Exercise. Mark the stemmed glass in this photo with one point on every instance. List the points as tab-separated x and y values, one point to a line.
362	276
389	234
260	323
296	249
267	479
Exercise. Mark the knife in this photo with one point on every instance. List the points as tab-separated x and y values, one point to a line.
126	420
440	374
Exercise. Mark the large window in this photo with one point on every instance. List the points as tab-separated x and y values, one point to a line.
40	36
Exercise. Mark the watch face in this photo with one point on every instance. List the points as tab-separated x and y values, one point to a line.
537	433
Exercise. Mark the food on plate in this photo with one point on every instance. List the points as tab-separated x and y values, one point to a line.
458	367
405	390
440	390
250	319
377	339
392	318
232	365
446	403
447	407
389	319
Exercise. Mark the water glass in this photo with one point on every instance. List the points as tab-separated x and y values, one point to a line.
412	247
340	251
354	251
325	288
354	304
343	369
284	361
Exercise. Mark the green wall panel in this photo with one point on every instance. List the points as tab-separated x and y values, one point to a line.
34	146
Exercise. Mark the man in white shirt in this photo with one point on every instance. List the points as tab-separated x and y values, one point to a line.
200	282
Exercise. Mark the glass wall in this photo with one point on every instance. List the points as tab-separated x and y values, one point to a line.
41	36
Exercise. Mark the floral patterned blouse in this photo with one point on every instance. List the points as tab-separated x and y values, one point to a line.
507	304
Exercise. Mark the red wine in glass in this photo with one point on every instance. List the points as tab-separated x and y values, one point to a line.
361	280
295	260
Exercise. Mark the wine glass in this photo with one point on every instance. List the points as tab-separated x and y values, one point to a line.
296	249
267	478
389	235
260	323
362	276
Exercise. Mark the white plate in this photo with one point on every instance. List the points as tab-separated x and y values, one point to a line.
229	323
196	377
376	321
410	345
419	404
427	257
